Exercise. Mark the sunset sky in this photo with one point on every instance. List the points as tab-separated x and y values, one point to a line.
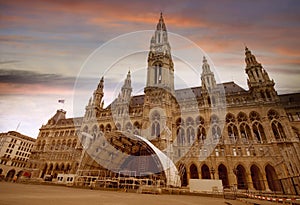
44	44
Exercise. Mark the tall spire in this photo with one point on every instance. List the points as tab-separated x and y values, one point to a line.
250	58
207	77
259	82
159	41
161	24
126	89
160	64
98	94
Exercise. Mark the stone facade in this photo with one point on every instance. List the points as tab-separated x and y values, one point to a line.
247	138
57	149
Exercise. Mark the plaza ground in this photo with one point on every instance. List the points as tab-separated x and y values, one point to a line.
29	194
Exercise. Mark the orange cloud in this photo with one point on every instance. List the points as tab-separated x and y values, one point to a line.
31	89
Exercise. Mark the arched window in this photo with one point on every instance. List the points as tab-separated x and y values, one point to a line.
74	143
57	145
230	118
268	94
216	132
157	73
128	127
63	145
223	175
201	133
118	126
245	132
232	132
108	128
94	131
194	172
242	117
200	120
240	172
101	128
180	131
52	145
272	178
38	146
155	128
272	114
205	173
69	143
180	136
189	121
259	133
254	116
136	128
214	119
86	129
278	130
190	134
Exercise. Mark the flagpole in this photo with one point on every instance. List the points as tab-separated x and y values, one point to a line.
18	126
62	101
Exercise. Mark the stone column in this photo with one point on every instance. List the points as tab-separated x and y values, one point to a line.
265	181
249	181
232	180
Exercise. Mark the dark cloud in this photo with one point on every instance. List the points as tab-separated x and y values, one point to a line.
31	77
9	62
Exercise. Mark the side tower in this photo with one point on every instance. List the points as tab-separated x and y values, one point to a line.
95	104
120	107
259	83
159	90
209	85
160	71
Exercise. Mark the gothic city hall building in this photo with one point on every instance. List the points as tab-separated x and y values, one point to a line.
247	138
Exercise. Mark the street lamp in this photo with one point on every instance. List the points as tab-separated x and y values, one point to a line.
213	171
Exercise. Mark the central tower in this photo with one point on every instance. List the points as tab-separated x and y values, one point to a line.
159	90
160	71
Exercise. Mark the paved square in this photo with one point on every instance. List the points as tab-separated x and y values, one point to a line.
27	194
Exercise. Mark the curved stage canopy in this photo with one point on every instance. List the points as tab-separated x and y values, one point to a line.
128	153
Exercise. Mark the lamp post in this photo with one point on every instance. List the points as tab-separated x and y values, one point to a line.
213	171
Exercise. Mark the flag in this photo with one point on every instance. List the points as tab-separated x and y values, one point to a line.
61	101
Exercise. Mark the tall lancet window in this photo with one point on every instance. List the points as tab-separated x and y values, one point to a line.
157	73
155	128
159	40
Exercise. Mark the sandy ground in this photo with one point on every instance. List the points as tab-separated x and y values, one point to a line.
27	194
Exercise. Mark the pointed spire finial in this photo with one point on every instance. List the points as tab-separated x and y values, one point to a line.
204	59
246	48
161	24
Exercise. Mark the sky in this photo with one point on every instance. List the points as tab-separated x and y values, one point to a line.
46	46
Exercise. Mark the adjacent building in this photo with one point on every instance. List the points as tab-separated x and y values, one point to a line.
246	138
15	150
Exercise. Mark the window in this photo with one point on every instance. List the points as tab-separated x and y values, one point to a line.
157	73
190	135
222	152
298	115
217	152
155	128
278	130
234	151
201	133
180	136
248	152
290	116
239	151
